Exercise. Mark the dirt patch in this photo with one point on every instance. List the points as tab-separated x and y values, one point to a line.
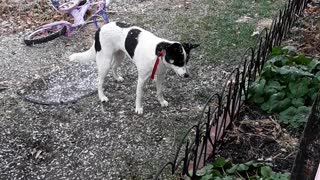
305	35
18	16
259	137
263	23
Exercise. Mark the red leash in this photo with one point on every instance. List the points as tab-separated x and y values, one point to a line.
156	64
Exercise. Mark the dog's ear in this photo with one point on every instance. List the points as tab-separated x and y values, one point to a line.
173	48
189	46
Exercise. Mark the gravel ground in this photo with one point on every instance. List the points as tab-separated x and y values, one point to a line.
87	139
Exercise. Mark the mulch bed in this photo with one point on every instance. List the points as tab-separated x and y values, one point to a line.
25	15
259	137
17	16
306	34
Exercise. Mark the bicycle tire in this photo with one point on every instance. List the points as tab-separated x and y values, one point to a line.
30	39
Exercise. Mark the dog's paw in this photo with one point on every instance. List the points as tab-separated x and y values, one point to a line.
104	99
120	79
164	103
72	58
139	110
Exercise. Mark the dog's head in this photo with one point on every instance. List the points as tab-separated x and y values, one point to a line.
177	56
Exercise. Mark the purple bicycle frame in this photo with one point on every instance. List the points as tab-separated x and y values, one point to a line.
78	15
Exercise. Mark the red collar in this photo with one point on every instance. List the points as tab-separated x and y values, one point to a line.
155	67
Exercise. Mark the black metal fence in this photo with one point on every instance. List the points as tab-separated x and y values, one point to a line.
201	140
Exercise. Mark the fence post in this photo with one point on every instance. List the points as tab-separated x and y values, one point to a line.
307	160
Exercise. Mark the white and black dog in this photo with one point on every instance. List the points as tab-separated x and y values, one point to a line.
115	40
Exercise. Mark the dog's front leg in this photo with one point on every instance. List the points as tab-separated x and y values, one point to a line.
159	83
139	108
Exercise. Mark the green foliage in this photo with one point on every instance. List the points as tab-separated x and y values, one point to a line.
287	85
222	169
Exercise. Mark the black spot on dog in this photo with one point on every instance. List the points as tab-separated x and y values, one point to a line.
97	44
174	53
161	46
123	25
131	41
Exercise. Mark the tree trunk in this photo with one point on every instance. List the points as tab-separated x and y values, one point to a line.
308	156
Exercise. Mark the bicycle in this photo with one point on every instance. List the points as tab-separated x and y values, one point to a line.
77	9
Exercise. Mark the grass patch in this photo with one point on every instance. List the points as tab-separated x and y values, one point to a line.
212	24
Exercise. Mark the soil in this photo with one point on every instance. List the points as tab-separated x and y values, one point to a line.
23	15
305	35
259	137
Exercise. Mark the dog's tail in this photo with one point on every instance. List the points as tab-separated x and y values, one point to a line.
83	57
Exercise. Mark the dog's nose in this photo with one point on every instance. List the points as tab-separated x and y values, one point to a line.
186	75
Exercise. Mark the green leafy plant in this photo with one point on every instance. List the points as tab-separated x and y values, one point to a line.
287	85
223	169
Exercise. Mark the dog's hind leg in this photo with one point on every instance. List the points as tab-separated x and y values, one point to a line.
117	59
103	64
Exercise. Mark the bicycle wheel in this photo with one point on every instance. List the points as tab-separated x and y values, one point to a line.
44	35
